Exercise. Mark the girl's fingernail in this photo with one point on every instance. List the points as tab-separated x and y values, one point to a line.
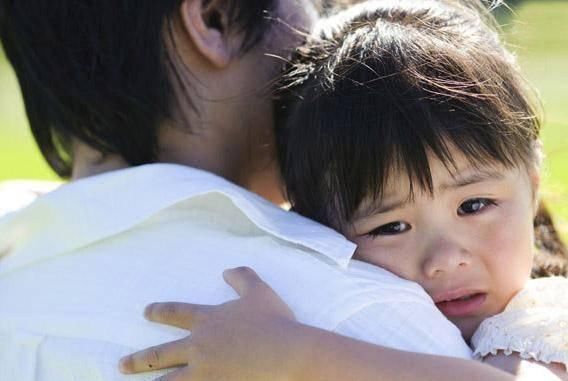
123	364
148	311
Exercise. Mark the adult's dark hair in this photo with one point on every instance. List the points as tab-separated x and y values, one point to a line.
384	84
98	70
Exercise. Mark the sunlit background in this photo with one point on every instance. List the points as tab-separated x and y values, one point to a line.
537	31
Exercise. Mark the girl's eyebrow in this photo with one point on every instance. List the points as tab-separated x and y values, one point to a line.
459	181
390	206
469	179
383	207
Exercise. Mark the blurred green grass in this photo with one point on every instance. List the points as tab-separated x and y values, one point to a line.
19	156
537	32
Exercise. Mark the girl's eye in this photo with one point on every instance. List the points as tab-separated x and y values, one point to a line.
474	206
392	228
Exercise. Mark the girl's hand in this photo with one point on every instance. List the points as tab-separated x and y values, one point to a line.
257	337
252	338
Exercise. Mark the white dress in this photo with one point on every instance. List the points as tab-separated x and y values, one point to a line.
534	324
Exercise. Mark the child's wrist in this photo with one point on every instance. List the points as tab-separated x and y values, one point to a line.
305	353
296	345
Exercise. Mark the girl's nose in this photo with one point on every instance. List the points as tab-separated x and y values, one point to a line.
444	257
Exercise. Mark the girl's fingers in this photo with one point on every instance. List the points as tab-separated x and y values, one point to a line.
183	374
243	280
182	315
175	353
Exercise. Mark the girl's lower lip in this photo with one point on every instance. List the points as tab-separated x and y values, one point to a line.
459	307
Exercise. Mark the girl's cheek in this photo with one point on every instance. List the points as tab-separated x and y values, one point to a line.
368	250
387	255
507	242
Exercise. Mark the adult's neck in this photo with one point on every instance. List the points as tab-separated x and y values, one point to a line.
250	164
87	162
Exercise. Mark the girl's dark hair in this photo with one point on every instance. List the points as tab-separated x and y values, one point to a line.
380	86
98	70
552	255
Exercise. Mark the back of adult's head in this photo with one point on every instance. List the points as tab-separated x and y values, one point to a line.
100	71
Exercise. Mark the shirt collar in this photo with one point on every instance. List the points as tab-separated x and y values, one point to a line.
91	209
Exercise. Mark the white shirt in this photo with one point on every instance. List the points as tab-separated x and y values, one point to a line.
79	264
16	194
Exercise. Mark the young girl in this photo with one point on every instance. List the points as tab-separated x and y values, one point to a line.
407	126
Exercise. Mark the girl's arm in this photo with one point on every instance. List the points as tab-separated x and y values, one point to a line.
528	369
257	338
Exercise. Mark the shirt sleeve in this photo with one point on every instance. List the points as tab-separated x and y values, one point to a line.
409	326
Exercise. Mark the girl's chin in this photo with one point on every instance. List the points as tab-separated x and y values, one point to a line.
467	326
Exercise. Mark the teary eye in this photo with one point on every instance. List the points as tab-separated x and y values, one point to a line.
391	228
474	206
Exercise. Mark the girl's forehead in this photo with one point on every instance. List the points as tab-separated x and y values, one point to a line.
402	192
456	165
446	175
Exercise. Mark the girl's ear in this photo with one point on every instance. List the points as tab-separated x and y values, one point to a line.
207	25
534	178
534	171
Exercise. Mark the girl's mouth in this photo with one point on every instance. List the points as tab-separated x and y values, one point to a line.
462	306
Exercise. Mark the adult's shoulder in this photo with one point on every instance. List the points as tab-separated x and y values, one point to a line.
17	194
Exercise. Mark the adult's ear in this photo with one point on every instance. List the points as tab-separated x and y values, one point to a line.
207	25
